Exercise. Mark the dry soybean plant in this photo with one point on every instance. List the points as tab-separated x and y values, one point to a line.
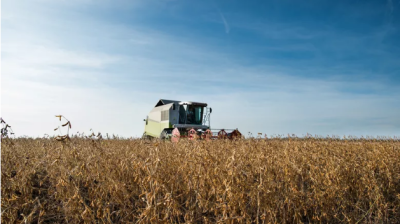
246	181
95	137
6	130
67	124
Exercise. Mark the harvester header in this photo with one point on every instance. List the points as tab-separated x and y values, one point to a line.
173	119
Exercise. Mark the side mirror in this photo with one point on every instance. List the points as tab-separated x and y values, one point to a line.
210	110
173	106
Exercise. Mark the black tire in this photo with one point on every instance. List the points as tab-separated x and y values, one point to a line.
163	135
166	133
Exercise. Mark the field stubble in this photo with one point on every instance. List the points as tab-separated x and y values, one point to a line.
257	181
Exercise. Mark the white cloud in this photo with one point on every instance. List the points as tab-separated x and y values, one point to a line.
42	55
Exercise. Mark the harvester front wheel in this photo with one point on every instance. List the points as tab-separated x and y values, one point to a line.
164	135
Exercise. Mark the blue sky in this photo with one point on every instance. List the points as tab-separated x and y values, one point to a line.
275	67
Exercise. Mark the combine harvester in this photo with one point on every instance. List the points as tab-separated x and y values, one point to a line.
171	119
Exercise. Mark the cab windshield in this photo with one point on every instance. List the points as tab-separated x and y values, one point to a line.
191	114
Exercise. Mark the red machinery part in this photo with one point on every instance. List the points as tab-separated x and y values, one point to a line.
192	134
236	134
222	134
207	135
176	135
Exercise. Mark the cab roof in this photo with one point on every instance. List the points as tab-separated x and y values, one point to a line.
162	102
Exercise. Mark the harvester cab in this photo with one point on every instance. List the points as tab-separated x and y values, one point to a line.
172	119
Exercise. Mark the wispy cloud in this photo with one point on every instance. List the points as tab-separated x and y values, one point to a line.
225	22
42	55
226	25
